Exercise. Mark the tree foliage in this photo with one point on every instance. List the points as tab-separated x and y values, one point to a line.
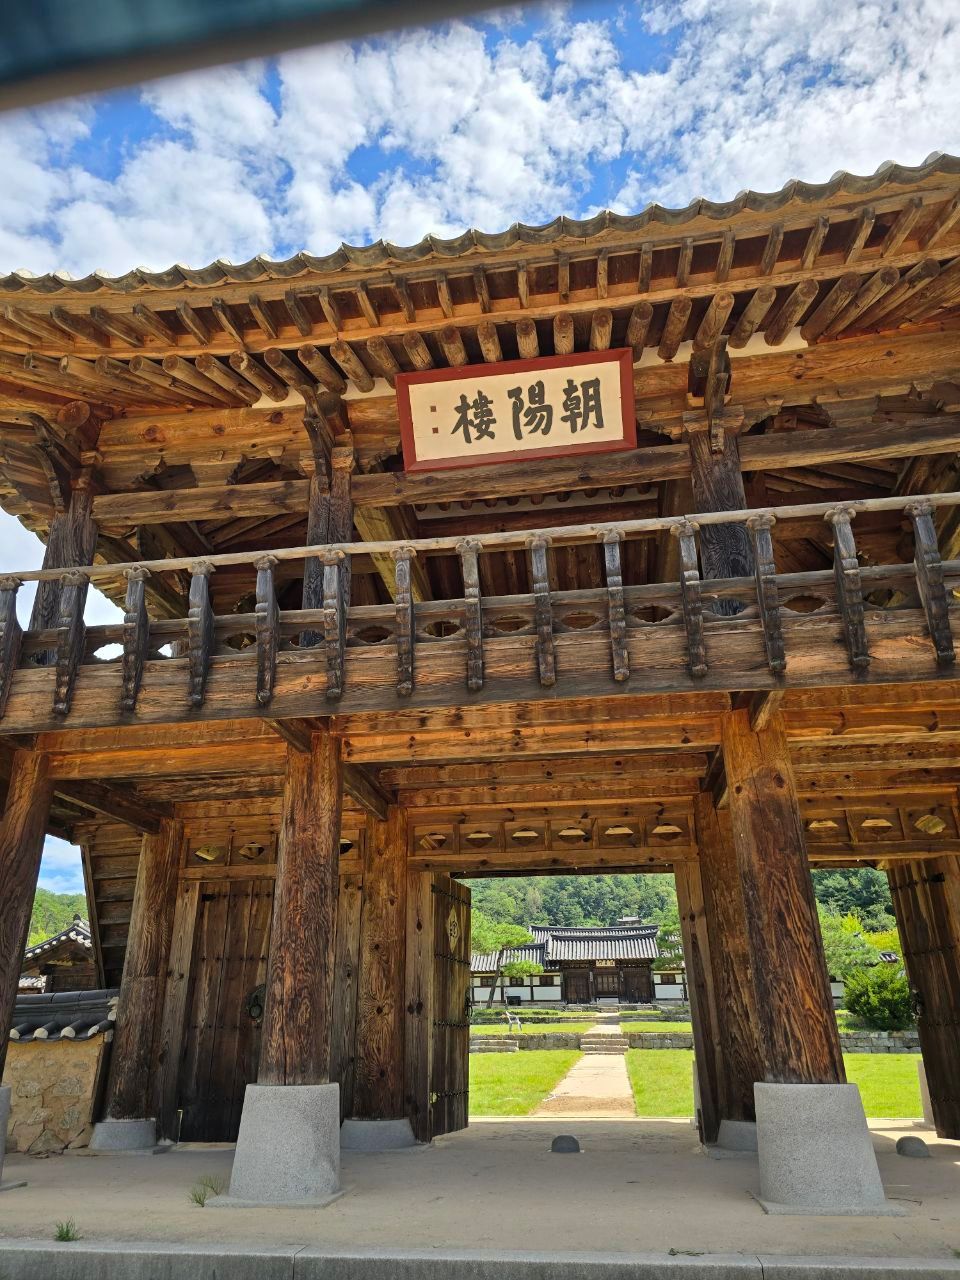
488	935
521	968
881	997
53	912
845	945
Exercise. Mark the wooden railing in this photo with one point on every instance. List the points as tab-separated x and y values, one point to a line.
539	623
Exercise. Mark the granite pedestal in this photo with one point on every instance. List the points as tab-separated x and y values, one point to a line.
816	1153
4	1120
376	1135
124	1135
288	1148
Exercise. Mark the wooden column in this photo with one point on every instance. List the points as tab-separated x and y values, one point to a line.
131	1090
799	1040
926	899
295	1047
343	1043
419	1002
21	846
703	1011
717	483
737	1045
378	1075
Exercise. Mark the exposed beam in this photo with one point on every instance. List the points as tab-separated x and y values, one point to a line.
122	806
928	435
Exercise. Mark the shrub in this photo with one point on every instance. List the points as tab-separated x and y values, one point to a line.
880	996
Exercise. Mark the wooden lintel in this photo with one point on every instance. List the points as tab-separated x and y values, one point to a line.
777	450
122	806
363	786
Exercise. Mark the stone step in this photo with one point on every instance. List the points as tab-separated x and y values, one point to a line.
491	1044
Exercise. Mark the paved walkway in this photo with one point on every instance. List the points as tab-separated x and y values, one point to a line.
597	1086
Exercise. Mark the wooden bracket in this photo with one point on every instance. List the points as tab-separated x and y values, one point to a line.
199	629
616	615
469	550
708	385
406	634
768	599
690	597
267	628
930	584
336	576
136	636
846	570
11	637
71	635
542	609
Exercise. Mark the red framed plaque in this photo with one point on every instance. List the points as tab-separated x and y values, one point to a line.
550	407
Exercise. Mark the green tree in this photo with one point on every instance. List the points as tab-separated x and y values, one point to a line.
490	936
864	891
881	997
845	946
669	942
53	912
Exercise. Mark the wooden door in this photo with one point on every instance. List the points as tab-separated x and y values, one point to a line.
221	1043
576	984
450	1056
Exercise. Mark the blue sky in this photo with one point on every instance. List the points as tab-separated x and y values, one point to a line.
520	115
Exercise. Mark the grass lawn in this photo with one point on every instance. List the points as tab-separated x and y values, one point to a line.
514	1084
663	1085
662	1081
527	1028
888	1082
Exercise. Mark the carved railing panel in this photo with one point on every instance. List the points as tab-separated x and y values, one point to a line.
653	636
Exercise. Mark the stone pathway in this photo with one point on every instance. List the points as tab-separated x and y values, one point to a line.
596	1086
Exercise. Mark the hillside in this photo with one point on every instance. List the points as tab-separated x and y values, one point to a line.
52	912
579	900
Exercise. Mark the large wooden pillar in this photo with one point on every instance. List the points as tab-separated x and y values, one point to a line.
72	542
295	1047
703	1011
739	1062
21	846
717	484
926	899
378	1073
131	1092
798	1036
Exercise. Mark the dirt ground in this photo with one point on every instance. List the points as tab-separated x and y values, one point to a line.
637	1185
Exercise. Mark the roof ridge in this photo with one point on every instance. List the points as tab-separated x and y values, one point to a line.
383	252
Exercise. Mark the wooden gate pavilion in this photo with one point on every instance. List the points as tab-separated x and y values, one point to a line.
342	683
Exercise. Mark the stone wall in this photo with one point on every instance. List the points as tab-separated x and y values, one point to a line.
851	1041
54	1087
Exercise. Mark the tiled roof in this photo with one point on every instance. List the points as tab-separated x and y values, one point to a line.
78	932
552	945
385	254
487	963
64	1015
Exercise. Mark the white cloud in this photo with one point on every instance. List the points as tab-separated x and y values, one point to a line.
60	868
459	126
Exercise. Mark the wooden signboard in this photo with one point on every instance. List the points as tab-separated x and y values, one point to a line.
549	407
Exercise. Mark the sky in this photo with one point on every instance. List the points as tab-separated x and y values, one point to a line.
519	115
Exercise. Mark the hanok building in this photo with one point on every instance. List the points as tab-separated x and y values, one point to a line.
611	545
63	962
579	965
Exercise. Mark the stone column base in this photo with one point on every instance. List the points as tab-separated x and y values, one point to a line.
4	1120
124	1135
288	1149
376	1135
736	1138
816	1153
